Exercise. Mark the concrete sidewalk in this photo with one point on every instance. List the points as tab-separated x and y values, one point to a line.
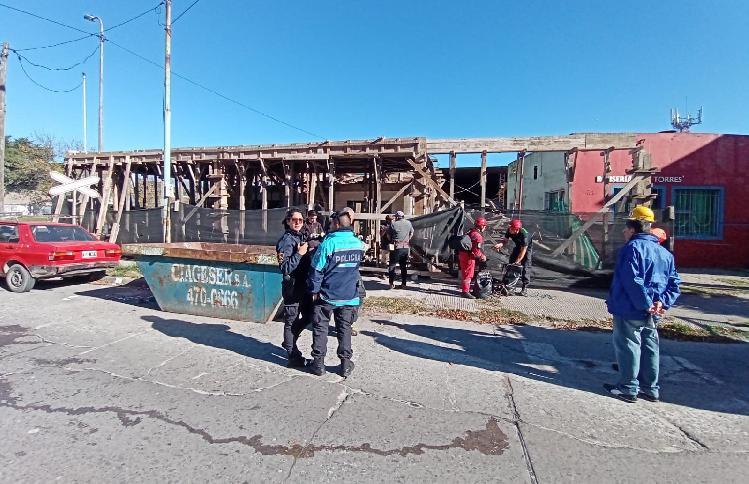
98	385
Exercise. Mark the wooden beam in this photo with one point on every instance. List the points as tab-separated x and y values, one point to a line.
105	198
581	141
482	180
577	233
400	192
200	203
453	166
429	180
61	198
123	197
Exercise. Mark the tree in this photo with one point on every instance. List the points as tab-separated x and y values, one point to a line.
27	166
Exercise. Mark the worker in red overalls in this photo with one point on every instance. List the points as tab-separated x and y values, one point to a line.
468	259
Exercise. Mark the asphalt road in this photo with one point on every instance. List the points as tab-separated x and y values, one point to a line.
98	385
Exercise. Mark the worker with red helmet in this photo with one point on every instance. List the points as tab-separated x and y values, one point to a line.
467	259
521	253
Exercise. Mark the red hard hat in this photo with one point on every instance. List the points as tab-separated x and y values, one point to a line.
480	222
516	224
660	233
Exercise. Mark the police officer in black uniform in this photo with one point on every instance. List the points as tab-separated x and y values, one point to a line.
294	261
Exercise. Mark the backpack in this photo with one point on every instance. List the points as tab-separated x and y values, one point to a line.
460	242
484	285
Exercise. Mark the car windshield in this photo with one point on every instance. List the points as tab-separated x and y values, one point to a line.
60	233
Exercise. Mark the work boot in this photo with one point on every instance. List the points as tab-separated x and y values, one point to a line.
523	292
347	367
296	360
617	392
316	366
467	295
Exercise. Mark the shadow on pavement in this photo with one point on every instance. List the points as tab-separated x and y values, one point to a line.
135	293
220	336
580	360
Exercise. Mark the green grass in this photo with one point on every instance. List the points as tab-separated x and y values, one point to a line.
125	271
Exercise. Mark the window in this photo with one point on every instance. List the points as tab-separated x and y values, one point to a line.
9	234
535	172
660	200
699	212
623	205
60	233
554	201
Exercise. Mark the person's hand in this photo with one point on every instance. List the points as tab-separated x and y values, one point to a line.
498	247
303	248
657	309
483	258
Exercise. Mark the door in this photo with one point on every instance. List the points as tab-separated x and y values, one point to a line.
9	240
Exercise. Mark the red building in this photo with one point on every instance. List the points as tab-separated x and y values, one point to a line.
704	176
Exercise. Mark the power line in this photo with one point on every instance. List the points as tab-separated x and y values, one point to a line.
23	69
213	91
195	83
44	18
184	11
57	44
96	49
136	17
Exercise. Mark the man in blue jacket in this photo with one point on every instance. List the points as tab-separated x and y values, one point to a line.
333	282
645	285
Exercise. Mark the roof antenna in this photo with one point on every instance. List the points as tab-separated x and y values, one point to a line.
684	123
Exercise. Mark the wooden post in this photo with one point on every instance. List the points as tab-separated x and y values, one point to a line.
521	174
105	198
85	198
264	195
453	163
286	183
483	180
123	197
606	173
331	183
312	186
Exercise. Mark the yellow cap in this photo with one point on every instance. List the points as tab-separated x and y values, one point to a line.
642	213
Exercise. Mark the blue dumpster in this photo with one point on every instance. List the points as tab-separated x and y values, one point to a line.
239	282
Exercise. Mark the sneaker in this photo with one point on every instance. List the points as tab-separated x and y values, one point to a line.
354	332
403	285
316	367
616	392
523	292
347	367
296	360
391	286
649	398
467	295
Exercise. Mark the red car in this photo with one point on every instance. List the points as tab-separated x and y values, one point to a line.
39	250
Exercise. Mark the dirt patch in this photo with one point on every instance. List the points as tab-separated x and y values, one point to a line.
10	335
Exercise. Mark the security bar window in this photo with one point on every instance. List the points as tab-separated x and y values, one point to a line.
699	213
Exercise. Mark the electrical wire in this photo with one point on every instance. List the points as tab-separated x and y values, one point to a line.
145	59
216	93
23	69
96	49
184	12
152	9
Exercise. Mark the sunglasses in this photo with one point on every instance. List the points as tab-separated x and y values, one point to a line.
295	219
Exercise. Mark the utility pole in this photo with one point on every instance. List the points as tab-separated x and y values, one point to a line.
85	139
94	18
3	72
168	193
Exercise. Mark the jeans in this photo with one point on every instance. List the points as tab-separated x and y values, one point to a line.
399	257
637	353
344	317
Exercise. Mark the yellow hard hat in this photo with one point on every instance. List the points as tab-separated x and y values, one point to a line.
642	213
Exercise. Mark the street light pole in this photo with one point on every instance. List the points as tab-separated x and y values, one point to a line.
94	18
85	129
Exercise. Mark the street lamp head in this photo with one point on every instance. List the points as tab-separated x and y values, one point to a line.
91	18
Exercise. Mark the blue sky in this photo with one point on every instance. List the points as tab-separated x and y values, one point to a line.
347	69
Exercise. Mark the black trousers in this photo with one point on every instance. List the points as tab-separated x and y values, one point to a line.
398	257
296	317
344	317
527	264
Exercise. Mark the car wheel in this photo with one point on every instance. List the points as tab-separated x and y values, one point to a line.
18	279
